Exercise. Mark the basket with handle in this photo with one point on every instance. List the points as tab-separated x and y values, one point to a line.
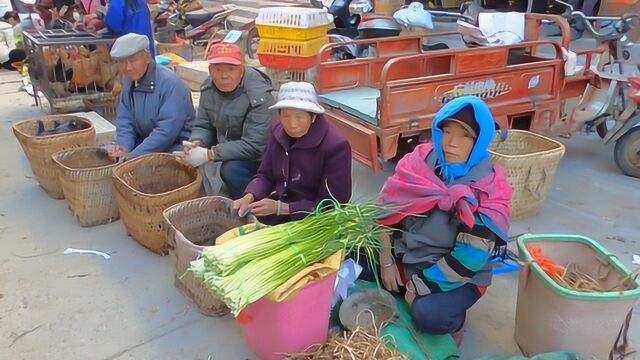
39	148
145	187
107	106
86	179
281	76
292	23
531	160
192	225
287	54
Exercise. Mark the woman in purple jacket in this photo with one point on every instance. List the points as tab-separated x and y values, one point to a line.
306	160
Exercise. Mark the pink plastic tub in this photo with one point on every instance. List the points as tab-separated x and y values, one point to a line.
273	329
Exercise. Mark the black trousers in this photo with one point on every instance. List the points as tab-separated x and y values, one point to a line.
14	56
436	313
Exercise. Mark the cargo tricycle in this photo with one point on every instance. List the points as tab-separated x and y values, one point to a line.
385	103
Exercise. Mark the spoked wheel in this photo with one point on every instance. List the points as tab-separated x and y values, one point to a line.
252	42
627	152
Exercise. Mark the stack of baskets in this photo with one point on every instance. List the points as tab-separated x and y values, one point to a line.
290	41
532	161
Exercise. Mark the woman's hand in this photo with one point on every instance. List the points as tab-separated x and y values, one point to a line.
410	294
87	18
388	270
242	204
264	207
390	275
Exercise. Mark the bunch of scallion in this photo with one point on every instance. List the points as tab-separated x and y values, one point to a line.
248	267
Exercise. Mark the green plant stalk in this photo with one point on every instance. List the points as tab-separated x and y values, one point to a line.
234	253
246	268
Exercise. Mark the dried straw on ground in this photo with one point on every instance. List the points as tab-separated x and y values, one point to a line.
359	344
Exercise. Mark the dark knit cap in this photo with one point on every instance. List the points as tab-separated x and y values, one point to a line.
465	117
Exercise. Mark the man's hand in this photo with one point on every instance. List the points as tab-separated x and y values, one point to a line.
242	204
188	145
117	152
193	154
198	156
263	207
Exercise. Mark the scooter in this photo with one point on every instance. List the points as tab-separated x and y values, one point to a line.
201	26
353	26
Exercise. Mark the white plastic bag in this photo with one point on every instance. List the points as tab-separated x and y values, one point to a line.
414	15
346	279
570	62
360	7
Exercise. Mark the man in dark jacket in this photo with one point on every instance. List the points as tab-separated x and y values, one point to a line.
232	125
155	112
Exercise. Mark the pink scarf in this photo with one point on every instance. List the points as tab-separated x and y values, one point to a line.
415	189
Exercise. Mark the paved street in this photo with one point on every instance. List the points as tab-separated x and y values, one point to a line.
55	306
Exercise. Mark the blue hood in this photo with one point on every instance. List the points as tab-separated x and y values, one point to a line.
480	151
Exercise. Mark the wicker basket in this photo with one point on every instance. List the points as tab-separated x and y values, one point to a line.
190	226
145	187
39	149
106	106
531	160
86	179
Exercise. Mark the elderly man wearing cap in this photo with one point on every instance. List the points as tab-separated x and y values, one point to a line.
307	160
155	112
232	125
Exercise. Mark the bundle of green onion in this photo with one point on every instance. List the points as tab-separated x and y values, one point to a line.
246	268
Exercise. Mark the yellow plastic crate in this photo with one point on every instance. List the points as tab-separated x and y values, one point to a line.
292	33
292	48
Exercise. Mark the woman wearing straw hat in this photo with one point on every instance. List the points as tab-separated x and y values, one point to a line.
306	160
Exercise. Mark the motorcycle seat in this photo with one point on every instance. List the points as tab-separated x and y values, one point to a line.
436	46
199	17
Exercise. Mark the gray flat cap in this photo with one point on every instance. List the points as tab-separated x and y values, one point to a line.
129	44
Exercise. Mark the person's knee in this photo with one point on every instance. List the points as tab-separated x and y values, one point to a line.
433	320
229	170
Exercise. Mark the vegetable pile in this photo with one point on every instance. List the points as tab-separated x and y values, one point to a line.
248	267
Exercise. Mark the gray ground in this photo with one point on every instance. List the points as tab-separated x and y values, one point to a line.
55	306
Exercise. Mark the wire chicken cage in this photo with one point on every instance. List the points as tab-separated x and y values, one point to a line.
71	67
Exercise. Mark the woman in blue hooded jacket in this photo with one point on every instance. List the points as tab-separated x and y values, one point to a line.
129	16
448	206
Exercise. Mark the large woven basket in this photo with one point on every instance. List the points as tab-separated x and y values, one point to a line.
145	187
86	176
532	161
39	149
191	225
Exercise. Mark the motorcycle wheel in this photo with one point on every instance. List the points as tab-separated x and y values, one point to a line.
252	43
603	128
627	152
